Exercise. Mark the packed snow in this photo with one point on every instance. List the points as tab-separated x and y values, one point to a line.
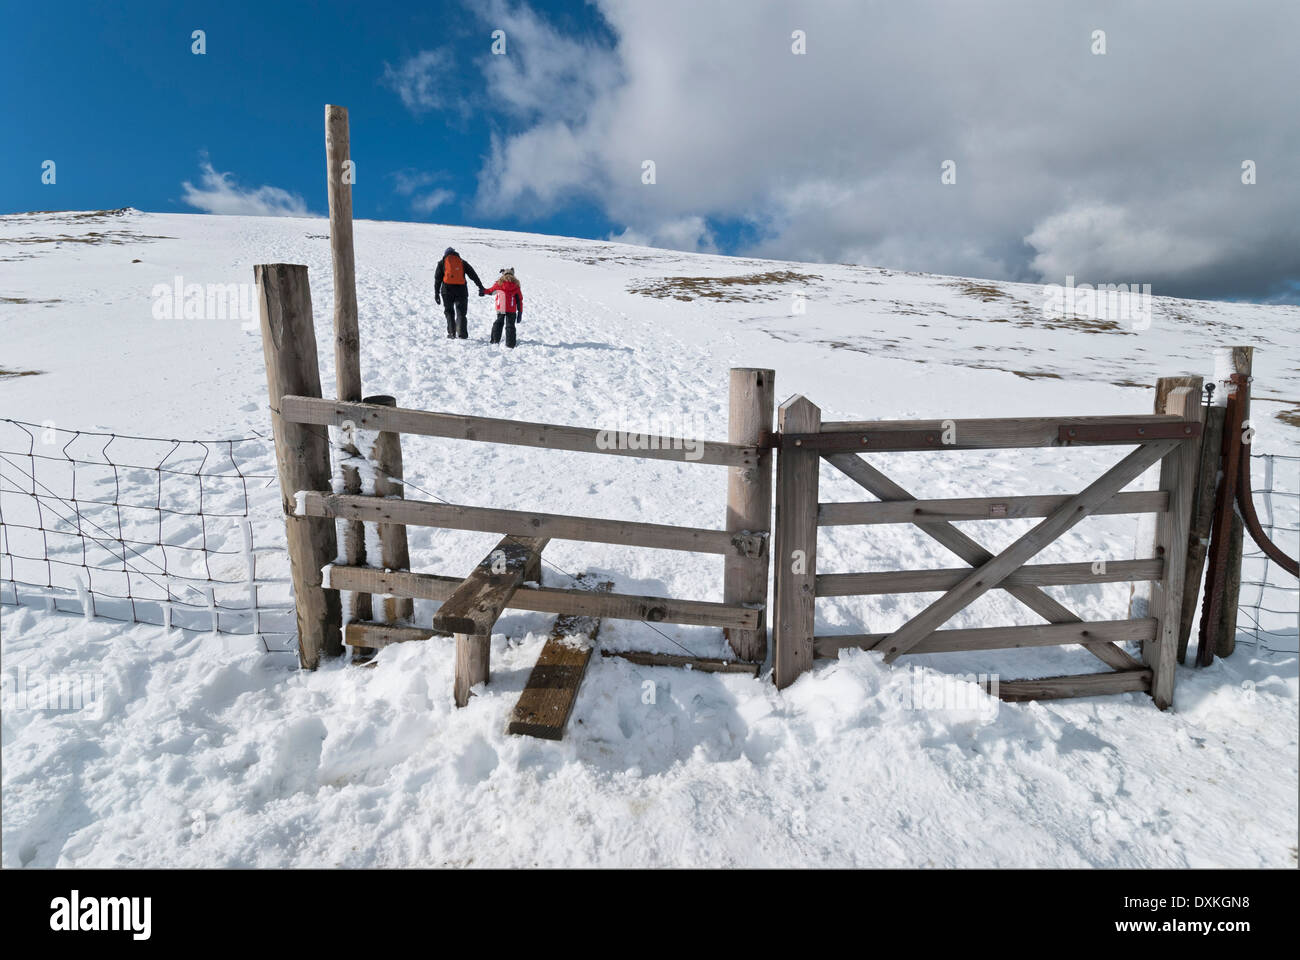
209	751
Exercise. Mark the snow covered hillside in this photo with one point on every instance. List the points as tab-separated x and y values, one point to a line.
205	753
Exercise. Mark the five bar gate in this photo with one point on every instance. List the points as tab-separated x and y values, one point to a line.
1168	437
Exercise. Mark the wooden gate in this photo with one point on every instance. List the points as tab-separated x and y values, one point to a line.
1171	437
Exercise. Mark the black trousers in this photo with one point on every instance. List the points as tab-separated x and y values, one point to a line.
455	303
508	319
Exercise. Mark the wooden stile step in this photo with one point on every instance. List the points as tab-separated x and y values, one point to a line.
476	604
547	700
365	635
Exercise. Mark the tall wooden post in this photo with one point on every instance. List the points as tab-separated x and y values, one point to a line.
1233	360
1178	476
749	501
347	339
301	452
386	456
794	552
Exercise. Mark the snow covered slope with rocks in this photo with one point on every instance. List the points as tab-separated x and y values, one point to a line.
204	753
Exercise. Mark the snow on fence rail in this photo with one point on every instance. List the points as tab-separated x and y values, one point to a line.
142	529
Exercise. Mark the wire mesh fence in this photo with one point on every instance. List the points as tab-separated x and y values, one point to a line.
1268	609
187	534
145	530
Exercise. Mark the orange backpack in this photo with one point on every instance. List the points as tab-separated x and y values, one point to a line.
453	269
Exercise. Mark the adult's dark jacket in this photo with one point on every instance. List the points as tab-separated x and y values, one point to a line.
439	286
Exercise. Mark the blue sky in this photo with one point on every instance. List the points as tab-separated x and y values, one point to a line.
813	130
113	94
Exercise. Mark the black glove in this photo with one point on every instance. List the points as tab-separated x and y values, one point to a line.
519	316
482	292
437	299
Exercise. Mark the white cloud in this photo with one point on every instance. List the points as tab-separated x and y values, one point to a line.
426	203
414	185
424	80
544	73
835	154
217	192
1103	242
688	233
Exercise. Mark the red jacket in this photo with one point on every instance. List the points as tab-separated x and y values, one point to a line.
509	298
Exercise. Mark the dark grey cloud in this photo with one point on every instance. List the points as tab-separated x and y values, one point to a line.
1122	167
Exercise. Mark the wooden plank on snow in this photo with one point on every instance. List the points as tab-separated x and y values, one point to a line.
547	699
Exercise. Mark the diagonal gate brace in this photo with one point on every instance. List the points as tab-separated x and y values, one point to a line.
1043	604
989	575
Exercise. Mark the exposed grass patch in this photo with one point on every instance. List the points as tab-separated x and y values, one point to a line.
73	216
91	237
982	291
11	374
593	260
724	289
1086	324
25	300
1290	417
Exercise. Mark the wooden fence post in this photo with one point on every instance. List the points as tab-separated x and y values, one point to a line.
473	656
794	551
301	452
1224	638
347	339
1178	476
1139	595
749	501
394	553
1198	537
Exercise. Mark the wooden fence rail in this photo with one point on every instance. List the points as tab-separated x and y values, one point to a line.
559	600
977	508
452	516
552	436
1030	575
